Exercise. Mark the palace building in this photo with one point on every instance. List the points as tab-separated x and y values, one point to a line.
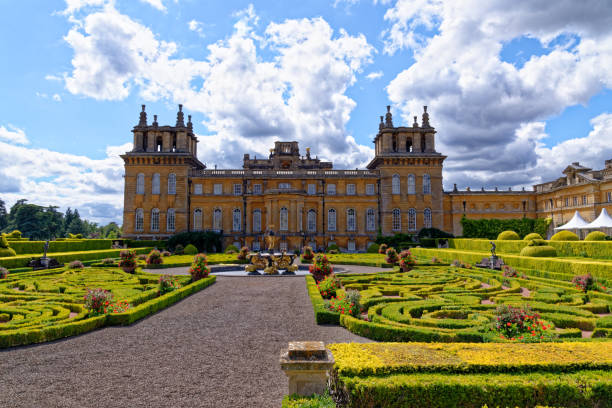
305	201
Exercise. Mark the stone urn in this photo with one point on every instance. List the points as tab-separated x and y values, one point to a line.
406	268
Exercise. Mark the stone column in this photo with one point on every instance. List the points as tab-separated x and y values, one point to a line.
307	365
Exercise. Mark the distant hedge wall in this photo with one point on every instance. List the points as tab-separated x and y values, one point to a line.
491	228
21	261
592	249
38	247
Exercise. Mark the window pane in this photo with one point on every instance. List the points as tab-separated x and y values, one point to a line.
426	184
412	219
312	221
284	219
237	189
350	189
236	220
218	189
370	220
155	185
170	220
411	184
331	220
331	189
397	220
395	184
312	189
370	189
197	220
351	225
217	224
140	184
256	188
256	221
172	183
197	189
155	219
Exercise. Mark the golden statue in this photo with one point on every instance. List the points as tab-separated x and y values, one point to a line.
270	238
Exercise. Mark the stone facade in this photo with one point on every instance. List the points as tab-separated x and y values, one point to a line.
305	201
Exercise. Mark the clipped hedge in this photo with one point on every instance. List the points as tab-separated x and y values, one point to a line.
21	261
595	236
508	236
38	247
593	249
491	228
565	236
533	235
539	251
142	243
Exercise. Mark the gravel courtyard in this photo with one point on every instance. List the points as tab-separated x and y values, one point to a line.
216	348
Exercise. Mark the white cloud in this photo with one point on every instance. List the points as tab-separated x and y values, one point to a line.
158	4
374	75
197	27
481	104
72	6
13	135
53	78
299	91
57	98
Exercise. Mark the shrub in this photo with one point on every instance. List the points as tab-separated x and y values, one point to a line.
76	264
520	324
595	236
3	273
433	233
231	249
14	234
128	259
509	272
242	255
406	260
392	257
533	235
373	249
320	268
179	249
167	283
342	305
333	247
199	268
166	253
565	236
97	300
307	253
192	250
154	258
508	236
584	282
108	262
382	249
491	228
327	287
5	250
539	251
333	252
207	241
354	297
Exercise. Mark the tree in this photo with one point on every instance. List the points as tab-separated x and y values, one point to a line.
3	216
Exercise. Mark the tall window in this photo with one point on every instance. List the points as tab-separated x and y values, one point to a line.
171	183
395	184
350	189
575	201
351	224
139	220
585	200
155	186
396	220
331	219
197	219
312	221
284	219
427	218
257	220
218	189
408	144
370	220
426	184
236	220
155	219
256	188
197	189
412	220
312	189
237	189
217	221
370	189
411	184
170	220
140	184
566	201
610	197
331	189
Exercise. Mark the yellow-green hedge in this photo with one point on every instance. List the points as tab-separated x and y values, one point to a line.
37	247
508	236
565	236
595	236
539	251
592	249
20	261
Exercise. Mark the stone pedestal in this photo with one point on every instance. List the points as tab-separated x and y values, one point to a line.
306	364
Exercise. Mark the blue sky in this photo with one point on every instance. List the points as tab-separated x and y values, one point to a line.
515	95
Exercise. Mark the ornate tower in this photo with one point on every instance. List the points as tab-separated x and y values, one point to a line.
156	193
410	169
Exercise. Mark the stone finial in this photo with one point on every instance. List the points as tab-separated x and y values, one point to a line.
381	124
143	117
189	124
468	189
180	118
425	117
482	188
415	124
454	185
496	189
388	117
509	188
155	121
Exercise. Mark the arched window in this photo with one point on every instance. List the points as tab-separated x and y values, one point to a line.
312	221
217	221
155	184
155	219
236	220
411	184
170	220
370	220
397	220
171	183
408	144
351	222
395	184
331	219
284	219
412	220
427	218
426	184
139	220
197	219
140	184
257	220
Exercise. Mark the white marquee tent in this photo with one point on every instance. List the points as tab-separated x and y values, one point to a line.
576	223
604	221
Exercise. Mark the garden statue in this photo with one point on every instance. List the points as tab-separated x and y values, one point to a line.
493	246
270	239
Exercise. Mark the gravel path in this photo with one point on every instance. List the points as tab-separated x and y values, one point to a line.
216	348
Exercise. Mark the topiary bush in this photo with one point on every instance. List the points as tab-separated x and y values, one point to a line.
320	268
199	268
539	251
154	258
179	249
595	236
76	265
533	235
231	249
508	236
565	236
5	250
333	247
308	253
373	249
392	257
16	234
192	250
382	249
